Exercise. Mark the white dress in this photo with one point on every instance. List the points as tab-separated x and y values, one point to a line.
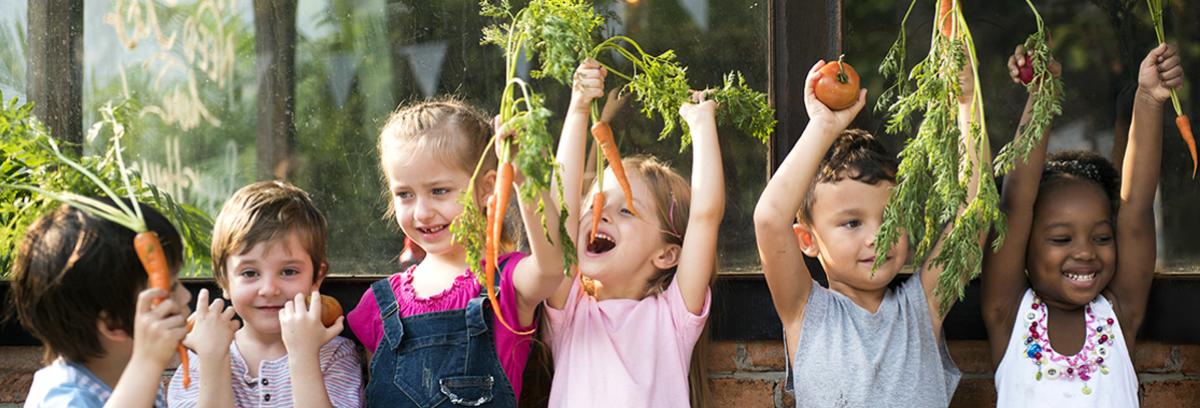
1102	374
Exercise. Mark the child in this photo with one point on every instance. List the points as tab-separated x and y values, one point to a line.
76	284
430	330
627	341
858	341
1061	275
268	253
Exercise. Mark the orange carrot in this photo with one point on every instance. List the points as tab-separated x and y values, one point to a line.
154	260
604	137
503	193
597	211
946	14
1185	131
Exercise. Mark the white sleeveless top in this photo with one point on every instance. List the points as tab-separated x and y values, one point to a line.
1100	375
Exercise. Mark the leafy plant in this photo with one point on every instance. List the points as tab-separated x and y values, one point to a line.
1047	93
33	158
938	164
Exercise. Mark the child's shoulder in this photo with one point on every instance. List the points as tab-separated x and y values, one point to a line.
63	384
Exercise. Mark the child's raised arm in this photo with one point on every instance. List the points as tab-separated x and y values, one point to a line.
157	330
1158	74
697	257
588	85
1003	276
536	277
782	262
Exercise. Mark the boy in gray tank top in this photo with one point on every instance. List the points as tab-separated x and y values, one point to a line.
857	343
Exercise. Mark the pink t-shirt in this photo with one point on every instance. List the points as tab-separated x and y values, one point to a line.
512	349
623	352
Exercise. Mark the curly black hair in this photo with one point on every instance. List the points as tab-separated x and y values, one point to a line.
856	155
1085	166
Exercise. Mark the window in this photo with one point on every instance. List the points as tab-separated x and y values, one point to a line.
1100	45
13	48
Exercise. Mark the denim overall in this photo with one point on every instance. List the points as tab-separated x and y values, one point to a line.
441	359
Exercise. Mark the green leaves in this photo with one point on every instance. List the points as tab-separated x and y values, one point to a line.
745	108
1047	91
31	161
661	87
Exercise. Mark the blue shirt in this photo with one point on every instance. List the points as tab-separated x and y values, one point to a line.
66	384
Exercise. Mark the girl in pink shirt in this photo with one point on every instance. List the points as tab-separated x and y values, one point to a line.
431	334
623	331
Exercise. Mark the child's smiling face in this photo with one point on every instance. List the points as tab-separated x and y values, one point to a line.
425	191
626	247
846	216
1072	245
268	275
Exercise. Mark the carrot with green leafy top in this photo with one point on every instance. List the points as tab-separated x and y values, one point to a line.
603	135
1181	120
1185	131
498	204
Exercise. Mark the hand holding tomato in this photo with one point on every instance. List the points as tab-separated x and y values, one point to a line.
819	112
839	85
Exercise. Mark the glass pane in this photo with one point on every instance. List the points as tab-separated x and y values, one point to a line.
191	66
13	49
1100	45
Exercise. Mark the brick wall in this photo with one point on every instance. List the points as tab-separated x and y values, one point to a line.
751	374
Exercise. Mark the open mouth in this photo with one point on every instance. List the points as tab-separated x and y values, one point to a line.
600	244
1081	277
431	230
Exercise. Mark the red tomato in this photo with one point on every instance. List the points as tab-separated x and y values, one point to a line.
838	87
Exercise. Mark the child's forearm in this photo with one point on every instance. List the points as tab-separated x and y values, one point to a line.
215	389
789	185
708	175
138	385
1140	167
571	157
308	384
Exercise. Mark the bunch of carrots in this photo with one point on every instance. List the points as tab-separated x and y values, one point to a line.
1181	120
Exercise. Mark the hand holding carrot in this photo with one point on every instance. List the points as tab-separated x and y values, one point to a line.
301	327
157	329
587	84
212	327
1159	73
700	111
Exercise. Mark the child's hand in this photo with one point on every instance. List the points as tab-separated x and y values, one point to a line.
301	327
212	327
700	110
1017	63
820	114
587	84
613	104
157	329
1159	73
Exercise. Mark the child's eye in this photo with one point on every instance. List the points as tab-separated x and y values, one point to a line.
290	272
441	191
1104	239
625	211
1059	240
248	273
852	224
404	195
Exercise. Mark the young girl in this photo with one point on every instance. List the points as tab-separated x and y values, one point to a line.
626	341
432	336
79	287
268	253
1061	300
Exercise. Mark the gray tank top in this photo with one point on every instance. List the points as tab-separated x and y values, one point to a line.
849	357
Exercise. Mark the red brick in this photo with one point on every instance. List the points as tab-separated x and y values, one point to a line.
765	356
20	359
743	392
972	356
14	386
1189	359
1183	392
1154	357
787	398
722	356
974	392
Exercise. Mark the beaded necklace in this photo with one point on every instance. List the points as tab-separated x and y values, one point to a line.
1084	364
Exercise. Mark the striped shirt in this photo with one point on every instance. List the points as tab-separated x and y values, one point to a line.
65	384
273	386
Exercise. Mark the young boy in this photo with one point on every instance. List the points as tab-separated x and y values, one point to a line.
857	343
79	287
268	253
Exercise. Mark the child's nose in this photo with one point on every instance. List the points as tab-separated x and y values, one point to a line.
269	287
423	211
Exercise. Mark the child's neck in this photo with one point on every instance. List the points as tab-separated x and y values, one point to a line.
436	273
1065	327
108	368
257	347
633	287
864	298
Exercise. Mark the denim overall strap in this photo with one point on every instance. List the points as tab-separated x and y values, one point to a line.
389	312
476	318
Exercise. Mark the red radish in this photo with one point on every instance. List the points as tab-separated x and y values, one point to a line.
1027	70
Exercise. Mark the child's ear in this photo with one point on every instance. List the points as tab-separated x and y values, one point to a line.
110	331
804	234
668	257
485	185
324	269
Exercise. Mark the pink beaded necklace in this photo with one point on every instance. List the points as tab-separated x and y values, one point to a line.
1084	364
